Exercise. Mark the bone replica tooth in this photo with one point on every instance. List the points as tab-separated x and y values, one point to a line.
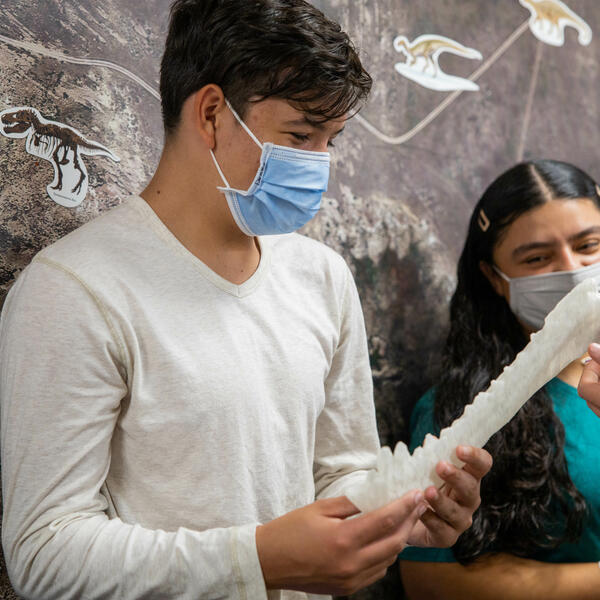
401	456
568	330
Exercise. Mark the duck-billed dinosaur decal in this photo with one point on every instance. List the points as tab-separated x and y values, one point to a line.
549	19
60	145
422	65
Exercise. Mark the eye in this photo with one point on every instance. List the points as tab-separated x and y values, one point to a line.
301	137
534	260
331	143
589	246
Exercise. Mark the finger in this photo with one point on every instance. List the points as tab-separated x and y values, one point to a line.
464	486
478	461
589	388
386	521
448	510
592	367
388	548
439	532
594	352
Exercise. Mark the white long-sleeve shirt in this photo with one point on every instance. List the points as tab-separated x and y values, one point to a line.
153	413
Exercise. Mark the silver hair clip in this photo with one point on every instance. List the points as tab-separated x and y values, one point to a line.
483	221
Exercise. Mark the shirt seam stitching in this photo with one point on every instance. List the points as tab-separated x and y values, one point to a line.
237	570
94	297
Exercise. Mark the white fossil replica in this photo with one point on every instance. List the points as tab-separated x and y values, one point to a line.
568	330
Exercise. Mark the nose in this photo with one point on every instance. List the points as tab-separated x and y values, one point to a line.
320	142
569	260
321	146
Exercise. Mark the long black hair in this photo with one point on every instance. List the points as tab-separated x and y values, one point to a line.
529	503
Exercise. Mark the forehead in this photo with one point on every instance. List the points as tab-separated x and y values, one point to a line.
283	113
555	220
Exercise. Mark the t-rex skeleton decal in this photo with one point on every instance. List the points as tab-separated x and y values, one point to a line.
422	61
549	19
60	145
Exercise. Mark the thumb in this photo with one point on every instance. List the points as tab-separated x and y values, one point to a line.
594	352
399	515
589	384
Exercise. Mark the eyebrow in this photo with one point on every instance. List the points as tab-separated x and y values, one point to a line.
520	250
306	121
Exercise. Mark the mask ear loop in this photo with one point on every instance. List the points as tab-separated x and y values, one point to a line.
505	277
219	169
246	128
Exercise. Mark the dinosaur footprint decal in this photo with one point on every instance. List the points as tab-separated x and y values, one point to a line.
422	66
60	145
549	19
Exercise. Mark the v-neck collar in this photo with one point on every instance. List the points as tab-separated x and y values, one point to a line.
239	290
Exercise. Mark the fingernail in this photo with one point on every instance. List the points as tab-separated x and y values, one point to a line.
419	498
466	450
421	510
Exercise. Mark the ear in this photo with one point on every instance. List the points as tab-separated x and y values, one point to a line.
208	106
497	283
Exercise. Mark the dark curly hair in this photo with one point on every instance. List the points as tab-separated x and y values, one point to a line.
255	49
529	503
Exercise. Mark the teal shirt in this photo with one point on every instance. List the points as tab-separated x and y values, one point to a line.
582	452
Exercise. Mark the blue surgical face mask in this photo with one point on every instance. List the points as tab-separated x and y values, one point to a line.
534	296
286	191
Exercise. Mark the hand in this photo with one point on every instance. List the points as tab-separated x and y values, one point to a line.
589	384
317	549
453	505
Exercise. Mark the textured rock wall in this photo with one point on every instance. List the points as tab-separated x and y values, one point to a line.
406	172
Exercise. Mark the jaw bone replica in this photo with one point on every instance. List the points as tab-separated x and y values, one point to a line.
568	330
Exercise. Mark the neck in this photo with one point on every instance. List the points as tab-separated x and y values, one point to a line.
183	193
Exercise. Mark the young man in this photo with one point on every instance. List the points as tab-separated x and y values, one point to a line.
177	384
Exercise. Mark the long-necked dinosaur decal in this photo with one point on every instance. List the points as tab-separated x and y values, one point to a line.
422	61
60	145
549	19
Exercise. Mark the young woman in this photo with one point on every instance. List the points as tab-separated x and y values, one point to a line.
534	234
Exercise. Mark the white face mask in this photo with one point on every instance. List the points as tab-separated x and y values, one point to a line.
533	297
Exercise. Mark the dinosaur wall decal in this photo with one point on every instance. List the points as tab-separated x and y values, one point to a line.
549	19
422	61
60	145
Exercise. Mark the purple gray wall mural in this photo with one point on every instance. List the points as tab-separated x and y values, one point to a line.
462	90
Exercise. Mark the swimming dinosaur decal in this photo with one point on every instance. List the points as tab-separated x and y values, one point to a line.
421	65
549	19
60	145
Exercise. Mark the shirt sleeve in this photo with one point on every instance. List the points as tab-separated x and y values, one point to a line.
422	423
347	442
62	380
